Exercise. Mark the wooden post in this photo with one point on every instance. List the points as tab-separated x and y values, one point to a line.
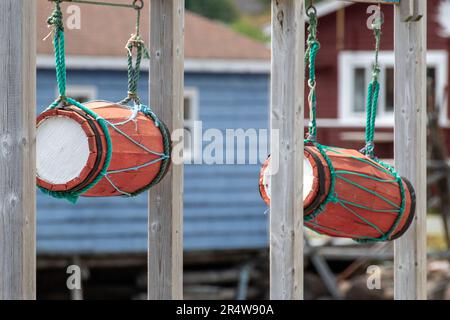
165	255
410	145
17	149
287	134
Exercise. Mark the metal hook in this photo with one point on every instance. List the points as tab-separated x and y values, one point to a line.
138	4
311	9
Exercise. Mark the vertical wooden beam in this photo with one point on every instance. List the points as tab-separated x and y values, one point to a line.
410	147
17	149
287	107
165	256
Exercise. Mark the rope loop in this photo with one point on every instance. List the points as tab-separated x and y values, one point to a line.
373	92
134	65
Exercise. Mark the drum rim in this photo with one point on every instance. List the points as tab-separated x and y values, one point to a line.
322	189
94	153
100	159
411	213
317	195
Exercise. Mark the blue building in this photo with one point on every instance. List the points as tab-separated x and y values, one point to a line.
226	87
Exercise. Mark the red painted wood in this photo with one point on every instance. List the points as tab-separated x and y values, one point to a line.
359	38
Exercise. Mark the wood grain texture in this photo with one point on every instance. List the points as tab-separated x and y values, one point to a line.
17	149
287	106
410	149
165	256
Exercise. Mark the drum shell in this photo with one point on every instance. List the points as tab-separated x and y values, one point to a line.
340	219
125	154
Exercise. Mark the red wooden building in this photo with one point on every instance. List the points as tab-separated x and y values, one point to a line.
344	70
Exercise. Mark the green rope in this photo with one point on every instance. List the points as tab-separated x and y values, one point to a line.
134	68
373	92
55	20
312	49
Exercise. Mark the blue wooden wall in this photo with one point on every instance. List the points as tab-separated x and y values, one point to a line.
223	209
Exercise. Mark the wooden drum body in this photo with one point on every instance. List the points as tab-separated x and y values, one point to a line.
75	156
347	194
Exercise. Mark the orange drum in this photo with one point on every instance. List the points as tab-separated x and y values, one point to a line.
356	197
77	157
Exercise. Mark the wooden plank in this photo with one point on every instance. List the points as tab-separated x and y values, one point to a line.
165	255
410	148
374	1
287	107
17	153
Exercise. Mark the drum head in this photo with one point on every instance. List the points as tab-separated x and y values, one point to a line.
308	178
62	149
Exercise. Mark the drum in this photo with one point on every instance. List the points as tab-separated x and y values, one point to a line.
347	194
77	155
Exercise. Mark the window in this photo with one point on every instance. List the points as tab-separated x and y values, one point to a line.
81	93
355	72
190	117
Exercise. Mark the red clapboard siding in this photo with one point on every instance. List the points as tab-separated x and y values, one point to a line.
357	37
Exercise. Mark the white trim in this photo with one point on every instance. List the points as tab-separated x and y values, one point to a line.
192	94
227	66
348	60
191	65
326	7
358	123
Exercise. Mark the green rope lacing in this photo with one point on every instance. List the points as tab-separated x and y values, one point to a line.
55	20
313	47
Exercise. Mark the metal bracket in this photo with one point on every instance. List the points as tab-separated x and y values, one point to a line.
410	10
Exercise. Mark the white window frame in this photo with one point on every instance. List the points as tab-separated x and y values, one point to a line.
349	60
192	94
80	90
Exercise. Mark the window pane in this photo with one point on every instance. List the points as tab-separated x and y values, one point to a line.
187	109
359	90
187	138
389	87
431	88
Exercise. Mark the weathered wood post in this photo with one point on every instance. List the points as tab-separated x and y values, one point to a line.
410	142
287	134
17	149
165	229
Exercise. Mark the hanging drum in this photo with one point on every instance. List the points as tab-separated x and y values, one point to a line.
100	149
347	194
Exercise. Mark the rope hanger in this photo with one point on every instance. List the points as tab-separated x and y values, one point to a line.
56	21
313	46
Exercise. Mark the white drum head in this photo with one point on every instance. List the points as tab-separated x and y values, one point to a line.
308	178
62	149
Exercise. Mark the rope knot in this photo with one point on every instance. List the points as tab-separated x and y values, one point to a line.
311	138
136	41
368	149
56	19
